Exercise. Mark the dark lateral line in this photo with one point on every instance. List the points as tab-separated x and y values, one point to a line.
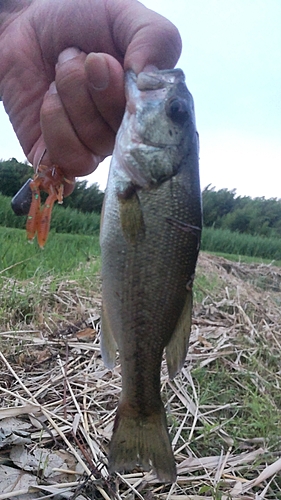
183	226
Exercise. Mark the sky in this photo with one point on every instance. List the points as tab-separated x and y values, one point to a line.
232	61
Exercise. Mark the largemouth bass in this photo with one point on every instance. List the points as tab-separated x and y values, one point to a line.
150	239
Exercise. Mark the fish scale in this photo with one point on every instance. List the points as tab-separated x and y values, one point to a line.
150	239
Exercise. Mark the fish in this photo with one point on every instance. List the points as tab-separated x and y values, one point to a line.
150	239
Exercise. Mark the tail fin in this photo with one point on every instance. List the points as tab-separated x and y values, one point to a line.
144	441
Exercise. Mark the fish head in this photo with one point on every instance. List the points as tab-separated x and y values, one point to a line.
160	95
158	128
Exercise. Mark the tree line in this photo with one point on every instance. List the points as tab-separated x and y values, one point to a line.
243	214
84	198
222	208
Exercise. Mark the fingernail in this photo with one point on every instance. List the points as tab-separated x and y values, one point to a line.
98	71
150	68
68	54
52	89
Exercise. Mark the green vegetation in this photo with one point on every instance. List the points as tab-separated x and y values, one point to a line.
223	209
14	174
213	240
248	413
30	276
79	213
235	225
63	254
223	240
64	220
245	258
242	214
85	198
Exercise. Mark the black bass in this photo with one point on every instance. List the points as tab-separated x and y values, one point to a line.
150	239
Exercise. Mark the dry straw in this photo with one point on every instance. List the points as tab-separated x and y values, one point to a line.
58	401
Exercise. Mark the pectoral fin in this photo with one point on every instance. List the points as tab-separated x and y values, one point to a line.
177	348
108	344
131	217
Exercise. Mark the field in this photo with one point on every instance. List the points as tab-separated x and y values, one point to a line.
223	240
63	254
58	401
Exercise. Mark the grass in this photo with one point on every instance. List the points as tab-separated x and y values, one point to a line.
62	254
64	219
246	259
250	414
30	276
223	240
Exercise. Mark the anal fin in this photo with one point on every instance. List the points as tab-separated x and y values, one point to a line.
108	343
177	348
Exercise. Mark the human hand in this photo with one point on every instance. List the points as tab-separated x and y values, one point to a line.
75	118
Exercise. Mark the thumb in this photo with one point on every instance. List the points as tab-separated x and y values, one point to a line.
145	37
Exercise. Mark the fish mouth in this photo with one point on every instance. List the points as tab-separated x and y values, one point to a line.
157	79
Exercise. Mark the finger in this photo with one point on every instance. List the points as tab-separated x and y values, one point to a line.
147	39
63	146
90	126
106	86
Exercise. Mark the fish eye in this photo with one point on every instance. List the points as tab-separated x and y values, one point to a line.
177	109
